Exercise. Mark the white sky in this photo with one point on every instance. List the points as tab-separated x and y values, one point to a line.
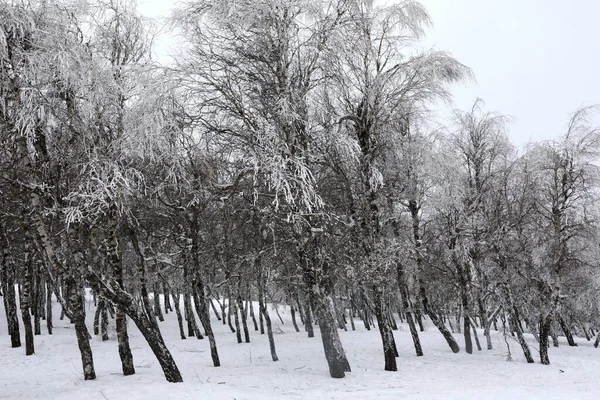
535	60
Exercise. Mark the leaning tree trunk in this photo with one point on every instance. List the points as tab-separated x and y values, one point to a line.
151	333
204	314
262	283
404	297
332	345
567	331
414	209
144	322
437	321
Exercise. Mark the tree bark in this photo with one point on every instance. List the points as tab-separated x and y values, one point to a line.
204	315
78	310
116	267
437	322
387	336
545	324
567	331
10	302
406	306
25	298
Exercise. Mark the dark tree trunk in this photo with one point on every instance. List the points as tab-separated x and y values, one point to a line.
307	316
293	313
176	299
437	322
567	331
116	264
406	305
189	316
204	315
467	334
167	297
233	308
488	325
104	322
545	325
332	345
96	325
300	311
263	311
252	313
25	298
214	308
77	308
10	303
198	307
123	342
35	300
475	336
244	314
520	338
157	309
149	329
49	308
387	336
554	337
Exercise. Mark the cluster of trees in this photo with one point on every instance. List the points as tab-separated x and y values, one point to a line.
287	156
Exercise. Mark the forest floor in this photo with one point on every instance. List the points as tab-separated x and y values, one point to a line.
247	372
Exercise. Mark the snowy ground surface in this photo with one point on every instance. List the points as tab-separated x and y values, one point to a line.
247	372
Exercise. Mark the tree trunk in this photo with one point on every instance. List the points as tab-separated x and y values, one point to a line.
406	306
214	308
307	316
332	345
190	317
78	310
96	325
545	324
10	303
24	299
240	304
204	315
116	266
233	308
475	336
48	308
437	322
104	322
151	333
176	304
157	309
252	313
567	331
387	336
167	297
263	311
293	312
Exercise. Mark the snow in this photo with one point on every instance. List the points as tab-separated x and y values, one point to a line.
247	372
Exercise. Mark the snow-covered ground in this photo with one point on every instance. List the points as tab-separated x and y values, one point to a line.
247	372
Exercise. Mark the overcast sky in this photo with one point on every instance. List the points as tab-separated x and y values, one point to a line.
535	60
